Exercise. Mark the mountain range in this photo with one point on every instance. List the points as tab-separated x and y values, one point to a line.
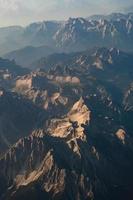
66	109
66	127
75	34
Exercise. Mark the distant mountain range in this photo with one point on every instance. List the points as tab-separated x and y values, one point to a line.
27	55
95	57
75	34
112	16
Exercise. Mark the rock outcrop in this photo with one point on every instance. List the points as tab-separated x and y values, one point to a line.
72	124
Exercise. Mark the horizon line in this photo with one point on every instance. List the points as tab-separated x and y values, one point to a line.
63	20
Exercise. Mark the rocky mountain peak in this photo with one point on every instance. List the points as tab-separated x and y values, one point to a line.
72	125
121	135
2	92
79	113
103	52
108	55
75	21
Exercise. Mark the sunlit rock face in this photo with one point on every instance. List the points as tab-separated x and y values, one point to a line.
47	90
73	123
121	135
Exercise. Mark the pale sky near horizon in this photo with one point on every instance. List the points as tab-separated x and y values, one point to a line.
23	12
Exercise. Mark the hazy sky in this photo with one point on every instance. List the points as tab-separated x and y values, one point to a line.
23	12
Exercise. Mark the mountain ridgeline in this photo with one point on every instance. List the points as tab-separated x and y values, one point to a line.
24	43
